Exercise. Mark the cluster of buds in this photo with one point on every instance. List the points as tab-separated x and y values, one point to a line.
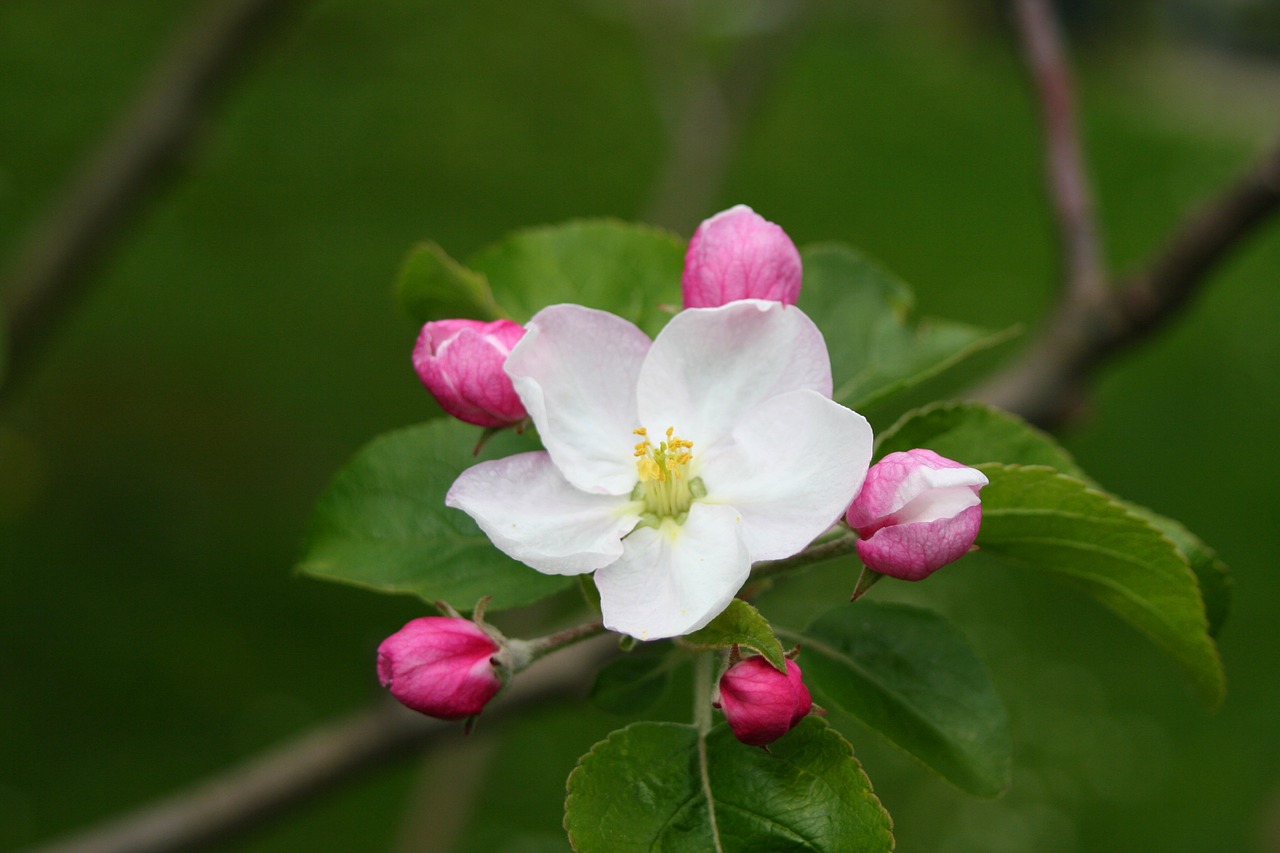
736	254
916	511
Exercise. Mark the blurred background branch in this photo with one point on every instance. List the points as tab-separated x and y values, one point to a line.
1067	179
55	261
705	104
1094	319
262	788
1049	383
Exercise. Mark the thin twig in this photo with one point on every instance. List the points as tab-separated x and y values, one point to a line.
838	547
1203	240
1048	383
443	801
1084	275
245	796
52	266
1094	320
704	107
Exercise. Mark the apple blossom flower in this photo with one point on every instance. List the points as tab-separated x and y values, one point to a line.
760	703
441	666
670	465
738	254
917	511
460	362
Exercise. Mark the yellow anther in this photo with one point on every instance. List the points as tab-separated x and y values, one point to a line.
650	470
665	479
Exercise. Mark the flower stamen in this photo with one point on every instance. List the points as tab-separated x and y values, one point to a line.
664	474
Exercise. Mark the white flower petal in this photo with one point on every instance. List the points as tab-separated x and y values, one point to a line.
709	366
790	467
675	579
575	371
534	515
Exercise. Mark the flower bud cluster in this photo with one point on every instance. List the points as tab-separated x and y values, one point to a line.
915	512
736	254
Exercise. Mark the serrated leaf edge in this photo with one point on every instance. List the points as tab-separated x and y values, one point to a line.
806	641
868	793
1211	700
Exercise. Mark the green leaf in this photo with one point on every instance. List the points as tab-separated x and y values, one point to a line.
1211	573
383	524
865	314
652	787
590	592
635	682
742	625
629	270
972	433
433	286
911	675
1037	516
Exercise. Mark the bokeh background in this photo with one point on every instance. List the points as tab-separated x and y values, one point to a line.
240	343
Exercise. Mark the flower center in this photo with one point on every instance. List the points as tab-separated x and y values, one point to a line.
665	485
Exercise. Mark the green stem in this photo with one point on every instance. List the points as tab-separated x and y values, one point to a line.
525	652
840	546
702	720
702	692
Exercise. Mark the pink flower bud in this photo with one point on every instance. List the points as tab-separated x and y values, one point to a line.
916	512
440	666
760	703
460	362
738	254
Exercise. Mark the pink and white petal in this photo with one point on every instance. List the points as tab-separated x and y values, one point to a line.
710	366
532	514
676	578
948	492
900	488
912	552
575	370
790	467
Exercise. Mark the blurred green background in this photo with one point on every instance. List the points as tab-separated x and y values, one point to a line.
157	470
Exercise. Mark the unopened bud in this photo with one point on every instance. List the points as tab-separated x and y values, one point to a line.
738	254
460	362
761	703
917	511
441	666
